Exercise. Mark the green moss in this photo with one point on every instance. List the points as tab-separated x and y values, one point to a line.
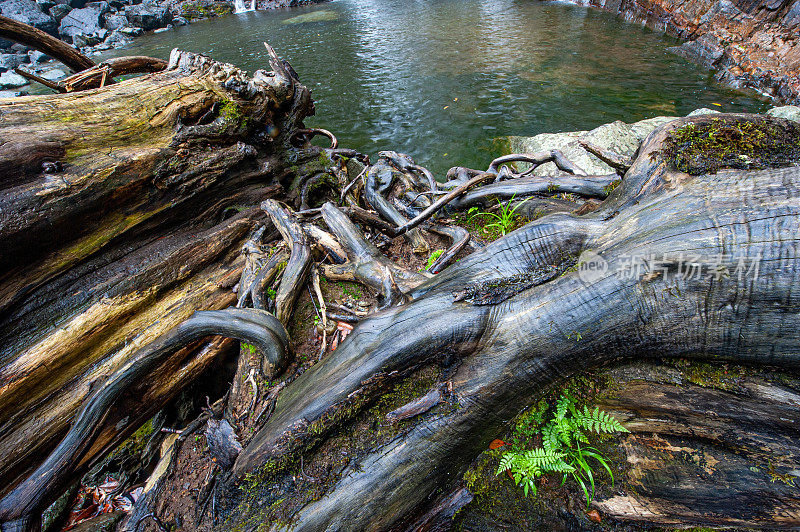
608	189
136	444
200	9
351	289
710	375
274	493
707	147
231	113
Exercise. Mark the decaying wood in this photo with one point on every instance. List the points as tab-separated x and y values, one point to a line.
130	215
299	265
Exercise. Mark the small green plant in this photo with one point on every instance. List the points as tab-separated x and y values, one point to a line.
248	347
506	217
433	257
351	289
271	293
564	449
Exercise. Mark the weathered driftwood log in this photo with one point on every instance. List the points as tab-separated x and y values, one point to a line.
122	211
513	328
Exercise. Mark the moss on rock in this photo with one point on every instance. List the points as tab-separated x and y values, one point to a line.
751	143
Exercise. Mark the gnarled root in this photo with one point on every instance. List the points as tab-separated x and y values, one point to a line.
522	341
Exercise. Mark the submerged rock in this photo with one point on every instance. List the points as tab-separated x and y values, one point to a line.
315	16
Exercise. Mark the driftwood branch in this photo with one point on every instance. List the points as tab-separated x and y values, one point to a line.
56	48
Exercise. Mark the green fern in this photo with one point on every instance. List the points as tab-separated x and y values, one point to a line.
562	451
598	421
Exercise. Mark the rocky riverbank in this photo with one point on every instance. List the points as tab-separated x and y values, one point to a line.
93	27
752	43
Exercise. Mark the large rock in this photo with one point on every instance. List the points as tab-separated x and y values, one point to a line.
617	136
59	11
54	74
115	21
789	112
12	61
86	22
148	16
117	39
30	13
9	80
35	56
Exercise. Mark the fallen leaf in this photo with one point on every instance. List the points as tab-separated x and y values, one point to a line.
594	515
496	444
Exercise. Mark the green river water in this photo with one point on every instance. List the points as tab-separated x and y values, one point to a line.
440	79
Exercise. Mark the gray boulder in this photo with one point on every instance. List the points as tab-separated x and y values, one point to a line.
789	112
703	111
115	21
85	22
116	39
28	11
59	11
12	61
12	94
45	5
617	136
35	56
10	80
148	16
131	30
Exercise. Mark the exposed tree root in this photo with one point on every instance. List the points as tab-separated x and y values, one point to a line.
500	325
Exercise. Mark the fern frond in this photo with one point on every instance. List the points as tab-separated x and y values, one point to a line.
598	421
546	461
506	462
550	439
565	431
562	405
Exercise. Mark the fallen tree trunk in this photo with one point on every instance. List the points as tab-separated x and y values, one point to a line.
122	211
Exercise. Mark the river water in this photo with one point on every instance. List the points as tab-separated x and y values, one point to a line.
440	79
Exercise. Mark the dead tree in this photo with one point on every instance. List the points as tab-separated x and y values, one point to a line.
119	226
